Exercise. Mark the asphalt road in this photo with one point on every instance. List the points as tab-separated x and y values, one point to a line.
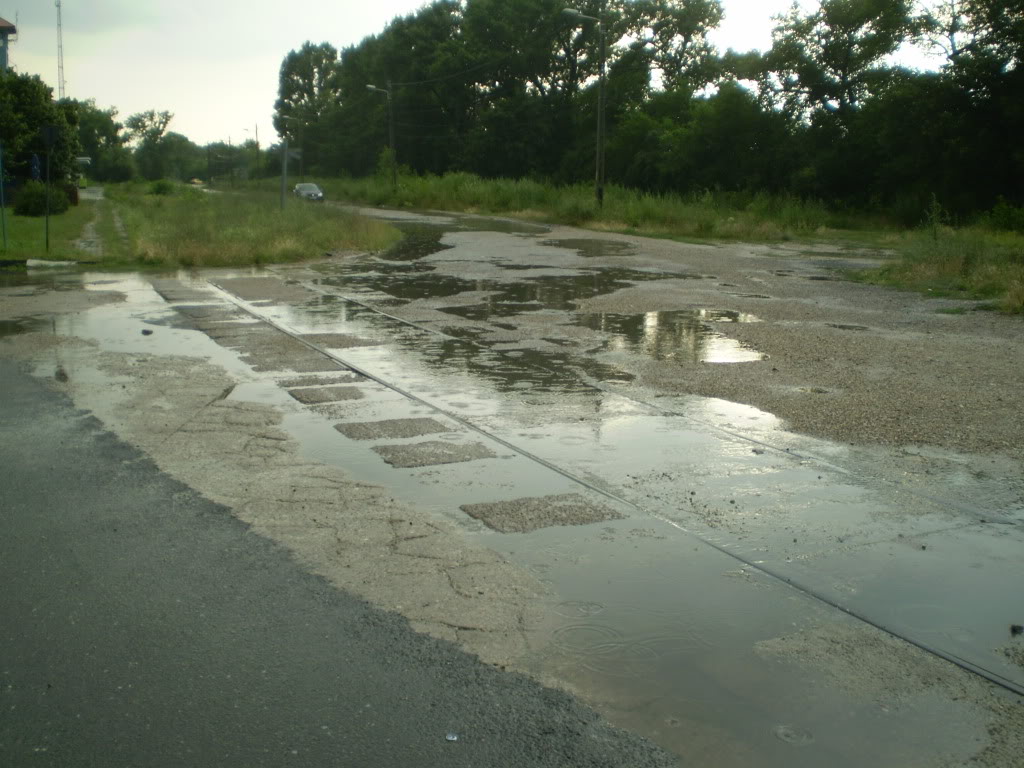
142	625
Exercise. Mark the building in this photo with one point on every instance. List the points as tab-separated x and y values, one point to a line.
7	30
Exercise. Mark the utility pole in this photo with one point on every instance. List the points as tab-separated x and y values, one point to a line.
3	211
391	130
578	17
284	170
60	52
49	133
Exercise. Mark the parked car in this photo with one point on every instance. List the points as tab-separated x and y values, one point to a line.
309	191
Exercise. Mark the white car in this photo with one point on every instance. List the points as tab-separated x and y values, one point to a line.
309	191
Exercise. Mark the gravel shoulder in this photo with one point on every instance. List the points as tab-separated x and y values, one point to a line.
848	362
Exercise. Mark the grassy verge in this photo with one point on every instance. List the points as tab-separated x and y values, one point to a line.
190	227
26	235
969	263
709	215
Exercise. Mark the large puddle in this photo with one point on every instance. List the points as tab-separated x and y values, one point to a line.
505	302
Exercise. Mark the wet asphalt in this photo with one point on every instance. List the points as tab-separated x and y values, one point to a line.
141	624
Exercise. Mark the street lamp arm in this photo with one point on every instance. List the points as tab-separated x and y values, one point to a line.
572	13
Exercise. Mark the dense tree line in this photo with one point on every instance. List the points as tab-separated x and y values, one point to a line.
139	147
508	88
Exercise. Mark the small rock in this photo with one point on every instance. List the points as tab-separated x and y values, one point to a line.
147	332
60	374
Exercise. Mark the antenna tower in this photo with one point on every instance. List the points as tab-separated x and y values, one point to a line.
60	51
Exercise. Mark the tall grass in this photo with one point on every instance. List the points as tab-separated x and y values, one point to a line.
709	215
969	263
194	228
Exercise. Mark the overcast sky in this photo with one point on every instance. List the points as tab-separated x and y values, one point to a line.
215	63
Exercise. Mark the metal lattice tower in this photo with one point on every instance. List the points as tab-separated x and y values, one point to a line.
60	52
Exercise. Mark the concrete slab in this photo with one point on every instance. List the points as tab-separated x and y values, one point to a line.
315	395
391	428
529	514
432	452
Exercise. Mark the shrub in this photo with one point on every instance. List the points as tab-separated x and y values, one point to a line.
31	200
1006	217
161	187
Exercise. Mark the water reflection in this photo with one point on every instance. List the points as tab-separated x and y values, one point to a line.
684	336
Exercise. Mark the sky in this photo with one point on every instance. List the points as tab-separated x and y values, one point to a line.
214	63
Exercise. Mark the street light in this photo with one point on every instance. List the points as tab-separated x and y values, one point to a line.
256	127
578	17
284	157
391	131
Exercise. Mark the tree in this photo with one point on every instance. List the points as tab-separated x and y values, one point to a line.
677	32
103	142
145	130
26	105
147	127
307	92
829	60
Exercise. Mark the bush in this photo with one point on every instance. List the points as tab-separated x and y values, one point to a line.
31	200
1006	217
161	187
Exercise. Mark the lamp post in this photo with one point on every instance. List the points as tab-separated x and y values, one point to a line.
391	131
256	153
572	13
284	159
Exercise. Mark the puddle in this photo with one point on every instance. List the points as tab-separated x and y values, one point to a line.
22	325
419	240
424	239
684	336
663	636
588	248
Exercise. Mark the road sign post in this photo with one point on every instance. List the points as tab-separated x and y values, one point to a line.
49	133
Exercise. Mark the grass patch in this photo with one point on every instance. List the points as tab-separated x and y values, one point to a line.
969	263
26	235
190	227
704	216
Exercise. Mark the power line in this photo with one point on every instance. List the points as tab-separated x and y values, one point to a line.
457	74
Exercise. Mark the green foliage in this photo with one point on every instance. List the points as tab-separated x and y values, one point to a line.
26	237
1005	217
966	263
192	228
161	187
509	90
26	105
31	200
828	59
